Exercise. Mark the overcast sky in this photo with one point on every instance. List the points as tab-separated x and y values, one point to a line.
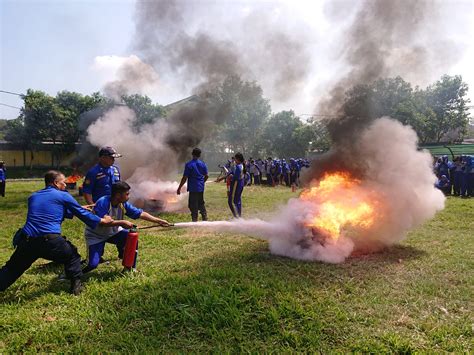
77	45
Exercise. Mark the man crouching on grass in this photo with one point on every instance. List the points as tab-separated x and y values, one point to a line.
116	206
41	237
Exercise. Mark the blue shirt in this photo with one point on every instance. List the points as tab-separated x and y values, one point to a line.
47	209
99	181
3	174
104	207
195	170
238	176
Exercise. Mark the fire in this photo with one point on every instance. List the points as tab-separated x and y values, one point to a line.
73	179
172	199
342	203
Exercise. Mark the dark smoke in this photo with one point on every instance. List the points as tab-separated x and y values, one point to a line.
172	40
87	153
259	45
383	40
133	77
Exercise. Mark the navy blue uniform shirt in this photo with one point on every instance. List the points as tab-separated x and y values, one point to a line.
3	175
195	170
99	181
47	209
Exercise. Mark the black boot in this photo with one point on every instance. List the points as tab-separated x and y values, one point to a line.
76	287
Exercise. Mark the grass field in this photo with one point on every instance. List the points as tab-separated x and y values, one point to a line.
205	292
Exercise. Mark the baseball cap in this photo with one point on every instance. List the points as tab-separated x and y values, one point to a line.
109	151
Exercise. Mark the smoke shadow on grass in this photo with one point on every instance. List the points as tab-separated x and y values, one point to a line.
389	255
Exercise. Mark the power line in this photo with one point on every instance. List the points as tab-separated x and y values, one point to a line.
11	93
10	106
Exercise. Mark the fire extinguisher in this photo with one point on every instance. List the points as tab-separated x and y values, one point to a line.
131	248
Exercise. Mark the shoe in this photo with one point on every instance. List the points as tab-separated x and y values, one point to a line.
102	260
62	277
76	287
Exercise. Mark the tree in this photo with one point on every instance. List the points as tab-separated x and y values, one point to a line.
318	136
52	119
437	113
248	111
145	111
377	99
447	100
285	135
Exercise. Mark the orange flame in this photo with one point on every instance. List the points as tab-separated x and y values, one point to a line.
342	203
172	199
73	178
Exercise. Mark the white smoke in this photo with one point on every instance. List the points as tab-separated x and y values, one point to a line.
397	172
147	164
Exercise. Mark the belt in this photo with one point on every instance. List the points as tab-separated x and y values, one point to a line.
45	237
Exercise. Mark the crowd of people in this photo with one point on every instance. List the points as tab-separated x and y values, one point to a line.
455	177
270	171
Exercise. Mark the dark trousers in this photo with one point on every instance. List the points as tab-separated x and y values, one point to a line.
235	198
470	184
2	188
464	184
196	204
28	251
269	179
457	182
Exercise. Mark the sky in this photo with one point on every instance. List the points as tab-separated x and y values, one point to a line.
78	45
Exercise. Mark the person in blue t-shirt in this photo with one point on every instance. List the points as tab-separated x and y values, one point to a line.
100	177
116	206
443	184
3	178
195	173
41	237
236	188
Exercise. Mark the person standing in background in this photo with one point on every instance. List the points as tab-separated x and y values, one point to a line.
3	178
195	173
236	188
100	178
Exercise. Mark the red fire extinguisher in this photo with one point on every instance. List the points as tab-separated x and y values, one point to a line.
131	248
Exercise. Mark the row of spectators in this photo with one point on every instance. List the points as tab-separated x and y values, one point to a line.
455	177
271	172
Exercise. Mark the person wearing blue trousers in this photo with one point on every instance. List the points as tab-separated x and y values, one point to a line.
457	176
116	206
237	186
466	168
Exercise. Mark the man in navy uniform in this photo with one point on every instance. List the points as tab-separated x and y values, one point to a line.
195	172
41	237
99	178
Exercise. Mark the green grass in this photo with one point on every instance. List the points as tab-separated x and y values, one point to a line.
206	292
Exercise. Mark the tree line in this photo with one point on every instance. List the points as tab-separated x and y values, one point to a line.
438	113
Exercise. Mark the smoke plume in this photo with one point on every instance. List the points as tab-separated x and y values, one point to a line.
171	42
385	38
399	175
198	42
133	77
